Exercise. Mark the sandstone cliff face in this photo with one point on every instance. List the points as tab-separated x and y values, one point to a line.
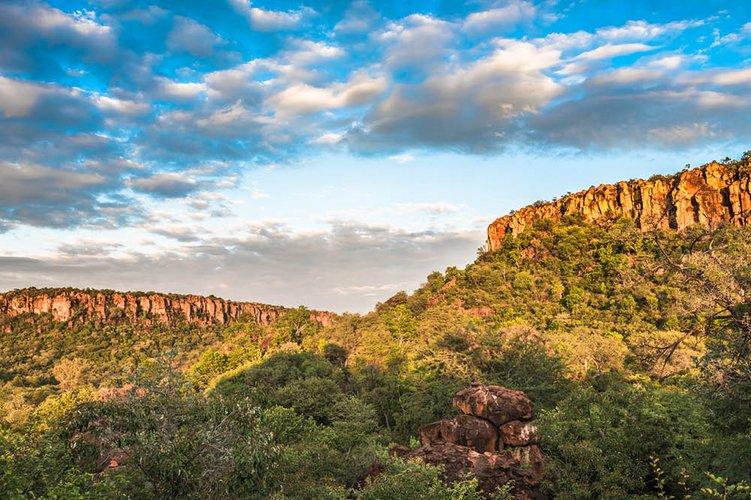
148	309
710	195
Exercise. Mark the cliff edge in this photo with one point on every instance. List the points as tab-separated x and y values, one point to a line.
107	306
710	195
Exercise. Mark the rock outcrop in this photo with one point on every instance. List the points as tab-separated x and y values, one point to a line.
105	306
710	195
494	440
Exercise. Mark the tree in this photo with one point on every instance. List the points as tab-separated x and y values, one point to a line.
295	325
71	373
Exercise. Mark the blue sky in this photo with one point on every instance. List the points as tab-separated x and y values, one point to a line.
333	153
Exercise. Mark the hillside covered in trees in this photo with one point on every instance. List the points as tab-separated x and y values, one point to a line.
632	345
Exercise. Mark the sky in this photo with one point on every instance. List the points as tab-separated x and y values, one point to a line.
332	153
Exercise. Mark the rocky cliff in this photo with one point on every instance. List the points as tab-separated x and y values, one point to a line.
105	306
710	195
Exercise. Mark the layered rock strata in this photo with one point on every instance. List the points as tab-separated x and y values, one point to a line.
710	195
494	440
147	308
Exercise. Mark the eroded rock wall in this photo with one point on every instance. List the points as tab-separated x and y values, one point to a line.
151	308
710	195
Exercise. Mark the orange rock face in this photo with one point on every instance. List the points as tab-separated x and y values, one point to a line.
464	430
90	305
494	403
494	440
710	195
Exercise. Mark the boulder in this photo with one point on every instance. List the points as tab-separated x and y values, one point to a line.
491	441
497	404
465	430
517	433
529	457
492	470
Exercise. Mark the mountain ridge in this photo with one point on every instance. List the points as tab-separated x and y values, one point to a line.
148	308
710	195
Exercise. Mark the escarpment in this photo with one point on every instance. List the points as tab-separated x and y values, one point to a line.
105	306
710	195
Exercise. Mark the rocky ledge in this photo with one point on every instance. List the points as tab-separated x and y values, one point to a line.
105	306
710	195
494	440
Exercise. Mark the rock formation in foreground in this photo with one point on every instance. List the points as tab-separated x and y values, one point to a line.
710	195
106	306
494	440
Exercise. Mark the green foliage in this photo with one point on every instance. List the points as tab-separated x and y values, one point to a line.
176	443
601	438
412	481
722	488
294	326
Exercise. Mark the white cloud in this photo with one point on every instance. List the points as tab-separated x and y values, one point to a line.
308	52
328	138
304	99
469	106
238	82
272	20
500	18
417	41
682	134
610	51
235	113
628	75
18	97
644	31
736	77
402	158
122	106
360	17
192	37
182	90
82	22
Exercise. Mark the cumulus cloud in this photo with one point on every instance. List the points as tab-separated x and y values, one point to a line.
303	98
359	18
192	37
472	107
272	20
609	51
17	97
24	24
181	90
45	196
616	114
121	106
644	31
500	18
417	42
737	77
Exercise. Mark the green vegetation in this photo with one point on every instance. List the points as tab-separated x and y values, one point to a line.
634	348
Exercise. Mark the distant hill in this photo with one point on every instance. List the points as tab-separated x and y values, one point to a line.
149	308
